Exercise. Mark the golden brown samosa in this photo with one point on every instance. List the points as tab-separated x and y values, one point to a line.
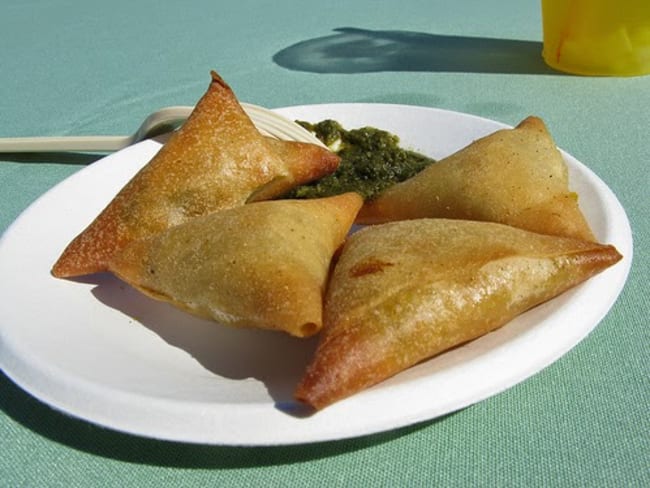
512	176
216	160
262	265
405	291
306	161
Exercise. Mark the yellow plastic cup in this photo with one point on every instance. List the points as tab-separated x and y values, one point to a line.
597	37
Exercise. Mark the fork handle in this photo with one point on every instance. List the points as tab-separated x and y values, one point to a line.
56	144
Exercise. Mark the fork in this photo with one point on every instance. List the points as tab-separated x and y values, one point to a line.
164	120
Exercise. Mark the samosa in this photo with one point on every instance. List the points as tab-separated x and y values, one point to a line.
264	264
216	160
305	161
512	176
405	291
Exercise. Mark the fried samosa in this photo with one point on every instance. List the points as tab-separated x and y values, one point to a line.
513	176
305	161
216	160
261	265
405	291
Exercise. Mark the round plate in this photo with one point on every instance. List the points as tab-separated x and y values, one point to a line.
98	350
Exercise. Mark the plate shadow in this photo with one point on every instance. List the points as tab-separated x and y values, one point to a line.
273	358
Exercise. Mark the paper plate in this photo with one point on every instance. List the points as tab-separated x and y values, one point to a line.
100	351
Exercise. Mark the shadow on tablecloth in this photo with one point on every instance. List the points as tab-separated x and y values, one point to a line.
46	157
82	436
354	50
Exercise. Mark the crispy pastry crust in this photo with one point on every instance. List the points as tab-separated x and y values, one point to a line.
263	265
216	160
512	176
405	291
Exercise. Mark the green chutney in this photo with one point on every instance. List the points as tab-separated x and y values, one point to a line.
371	160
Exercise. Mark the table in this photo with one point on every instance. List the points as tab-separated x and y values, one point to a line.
100	67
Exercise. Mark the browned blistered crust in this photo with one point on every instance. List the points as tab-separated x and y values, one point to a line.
405	291
216	160
512	176
263	265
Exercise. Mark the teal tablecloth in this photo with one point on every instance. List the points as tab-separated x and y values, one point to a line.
74	67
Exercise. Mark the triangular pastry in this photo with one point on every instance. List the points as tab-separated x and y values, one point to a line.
512	176
264	264
405	291
216	160
305	161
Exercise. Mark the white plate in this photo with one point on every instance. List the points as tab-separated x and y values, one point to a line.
98	350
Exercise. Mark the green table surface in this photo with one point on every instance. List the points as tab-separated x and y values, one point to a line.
78	68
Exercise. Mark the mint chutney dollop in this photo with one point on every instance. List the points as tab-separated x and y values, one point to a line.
371	160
